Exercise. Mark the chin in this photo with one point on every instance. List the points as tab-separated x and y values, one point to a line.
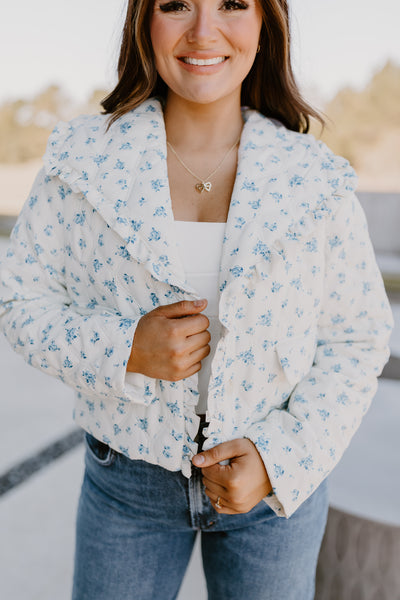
204	97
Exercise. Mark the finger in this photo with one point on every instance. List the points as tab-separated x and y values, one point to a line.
220	505
225	511
215	487
199	354
192	370
187	355
191	325
198	341
224	502
181	309
230	476
224	451
218	501
221	475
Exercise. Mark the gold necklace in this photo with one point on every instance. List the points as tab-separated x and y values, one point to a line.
203	185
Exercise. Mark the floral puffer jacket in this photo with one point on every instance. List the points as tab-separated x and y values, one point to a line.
305	317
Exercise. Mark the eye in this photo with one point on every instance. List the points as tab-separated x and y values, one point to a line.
173	6
234	5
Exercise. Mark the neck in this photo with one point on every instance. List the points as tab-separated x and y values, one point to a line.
215	125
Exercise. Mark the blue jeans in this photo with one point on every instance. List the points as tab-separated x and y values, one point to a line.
137	524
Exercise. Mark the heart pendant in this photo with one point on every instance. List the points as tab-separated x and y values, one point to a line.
203	186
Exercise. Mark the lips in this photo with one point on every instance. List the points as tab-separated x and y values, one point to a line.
202	62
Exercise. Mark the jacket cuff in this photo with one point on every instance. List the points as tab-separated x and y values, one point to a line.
256	434
127	386
139	388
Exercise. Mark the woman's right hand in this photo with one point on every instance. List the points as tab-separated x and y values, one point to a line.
170	341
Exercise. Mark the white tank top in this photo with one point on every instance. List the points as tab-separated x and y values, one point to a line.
200	244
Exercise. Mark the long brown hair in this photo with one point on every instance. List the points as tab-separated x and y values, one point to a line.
269	87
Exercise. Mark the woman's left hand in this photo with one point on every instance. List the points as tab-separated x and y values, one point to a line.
238	486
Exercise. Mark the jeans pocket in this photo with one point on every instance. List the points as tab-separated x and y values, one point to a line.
99	452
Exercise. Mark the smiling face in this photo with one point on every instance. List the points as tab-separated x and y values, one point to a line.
205	48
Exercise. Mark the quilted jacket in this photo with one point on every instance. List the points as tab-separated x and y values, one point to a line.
305	318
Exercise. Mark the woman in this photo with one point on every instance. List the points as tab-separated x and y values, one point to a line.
200	272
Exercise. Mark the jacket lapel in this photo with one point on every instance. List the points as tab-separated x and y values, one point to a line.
125	179
144	217
260	214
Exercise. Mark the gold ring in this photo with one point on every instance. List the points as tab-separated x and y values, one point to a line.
217	504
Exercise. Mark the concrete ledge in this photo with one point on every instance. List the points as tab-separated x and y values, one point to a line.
392	368
383	215
358	559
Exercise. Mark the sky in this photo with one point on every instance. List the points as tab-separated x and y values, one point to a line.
74	44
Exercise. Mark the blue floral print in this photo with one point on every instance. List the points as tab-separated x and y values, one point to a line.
306	321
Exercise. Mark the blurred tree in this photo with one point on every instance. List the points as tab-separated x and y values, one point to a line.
364	126
362	118
25	124
93	104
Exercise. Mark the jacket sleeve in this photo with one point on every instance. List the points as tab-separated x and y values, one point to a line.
302	443
39	318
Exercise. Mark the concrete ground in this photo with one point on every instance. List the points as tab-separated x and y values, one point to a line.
37	517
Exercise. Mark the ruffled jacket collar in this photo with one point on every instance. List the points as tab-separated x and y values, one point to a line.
131	157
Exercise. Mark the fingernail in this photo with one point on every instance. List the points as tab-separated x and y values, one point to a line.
198	302
198	460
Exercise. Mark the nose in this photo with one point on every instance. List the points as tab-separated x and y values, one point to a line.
203	27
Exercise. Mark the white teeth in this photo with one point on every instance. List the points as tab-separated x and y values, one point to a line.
203	61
